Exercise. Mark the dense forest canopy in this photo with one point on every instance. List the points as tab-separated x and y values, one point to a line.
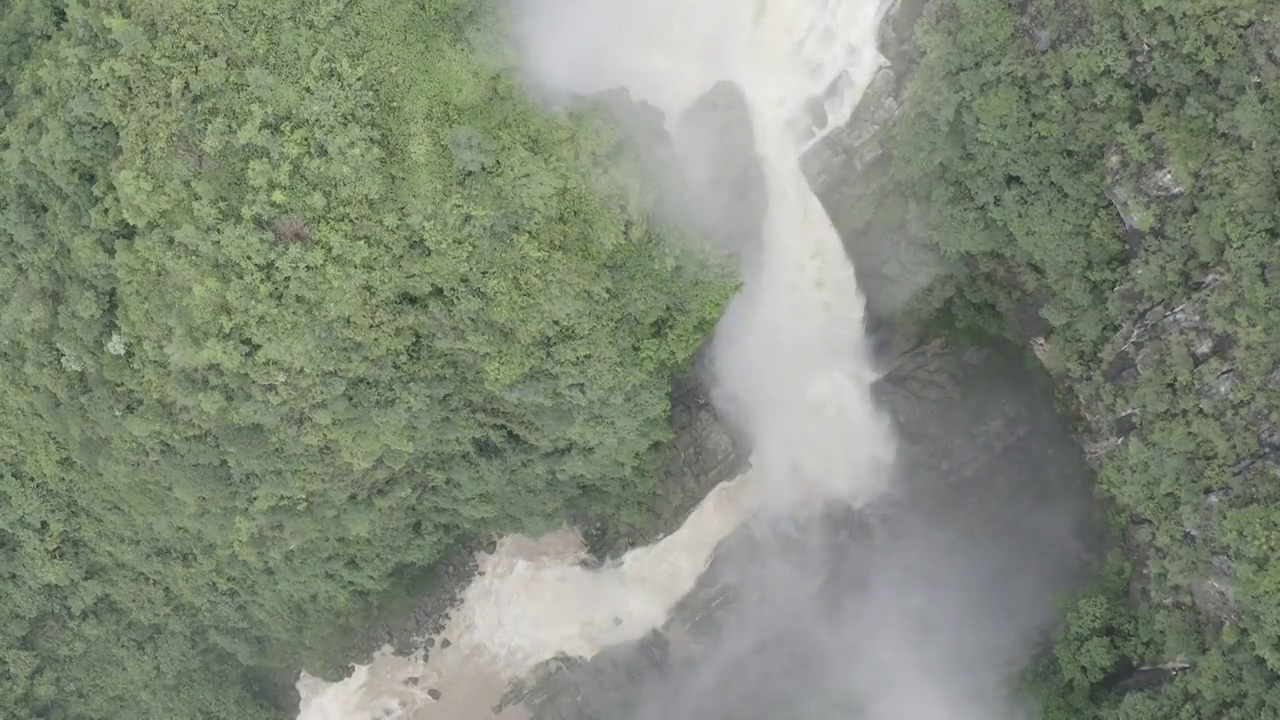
295	294
1110	169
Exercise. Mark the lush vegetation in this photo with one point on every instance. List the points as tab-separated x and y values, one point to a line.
1109	169
295	294
299	293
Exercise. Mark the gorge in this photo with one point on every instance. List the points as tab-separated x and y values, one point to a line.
595	360
875	579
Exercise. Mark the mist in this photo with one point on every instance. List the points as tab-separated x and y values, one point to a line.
871	563
867	587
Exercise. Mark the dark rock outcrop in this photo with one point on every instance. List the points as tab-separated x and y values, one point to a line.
897	36
1138	205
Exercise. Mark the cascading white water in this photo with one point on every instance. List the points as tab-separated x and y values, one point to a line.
791	362
790	355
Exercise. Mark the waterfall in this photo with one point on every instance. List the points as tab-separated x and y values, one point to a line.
791	362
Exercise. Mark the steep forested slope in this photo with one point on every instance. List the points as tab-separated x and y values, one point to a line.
295	293
1102	178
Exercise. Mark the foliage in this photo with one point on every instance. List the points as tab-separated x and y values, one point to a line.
1204	670
1033	133
296	293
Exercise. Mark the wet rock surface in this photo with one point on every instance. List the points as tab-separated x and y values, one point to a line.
725	198
893	264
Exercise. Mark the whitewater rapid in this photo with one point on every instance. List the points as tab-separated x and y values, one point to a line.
791	362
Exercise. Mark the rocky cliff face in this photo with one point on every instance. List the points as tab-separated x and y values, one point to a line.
1188	447
725	197
990	520
1180	416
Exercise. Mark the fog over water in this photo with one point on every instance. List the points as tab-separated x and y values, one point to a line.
862	591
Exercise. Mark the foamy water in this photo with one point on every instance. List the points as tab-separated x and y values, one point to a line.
790	356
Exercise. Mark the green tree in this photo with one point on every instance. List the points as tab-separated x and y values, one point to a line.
1113	167
296	294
